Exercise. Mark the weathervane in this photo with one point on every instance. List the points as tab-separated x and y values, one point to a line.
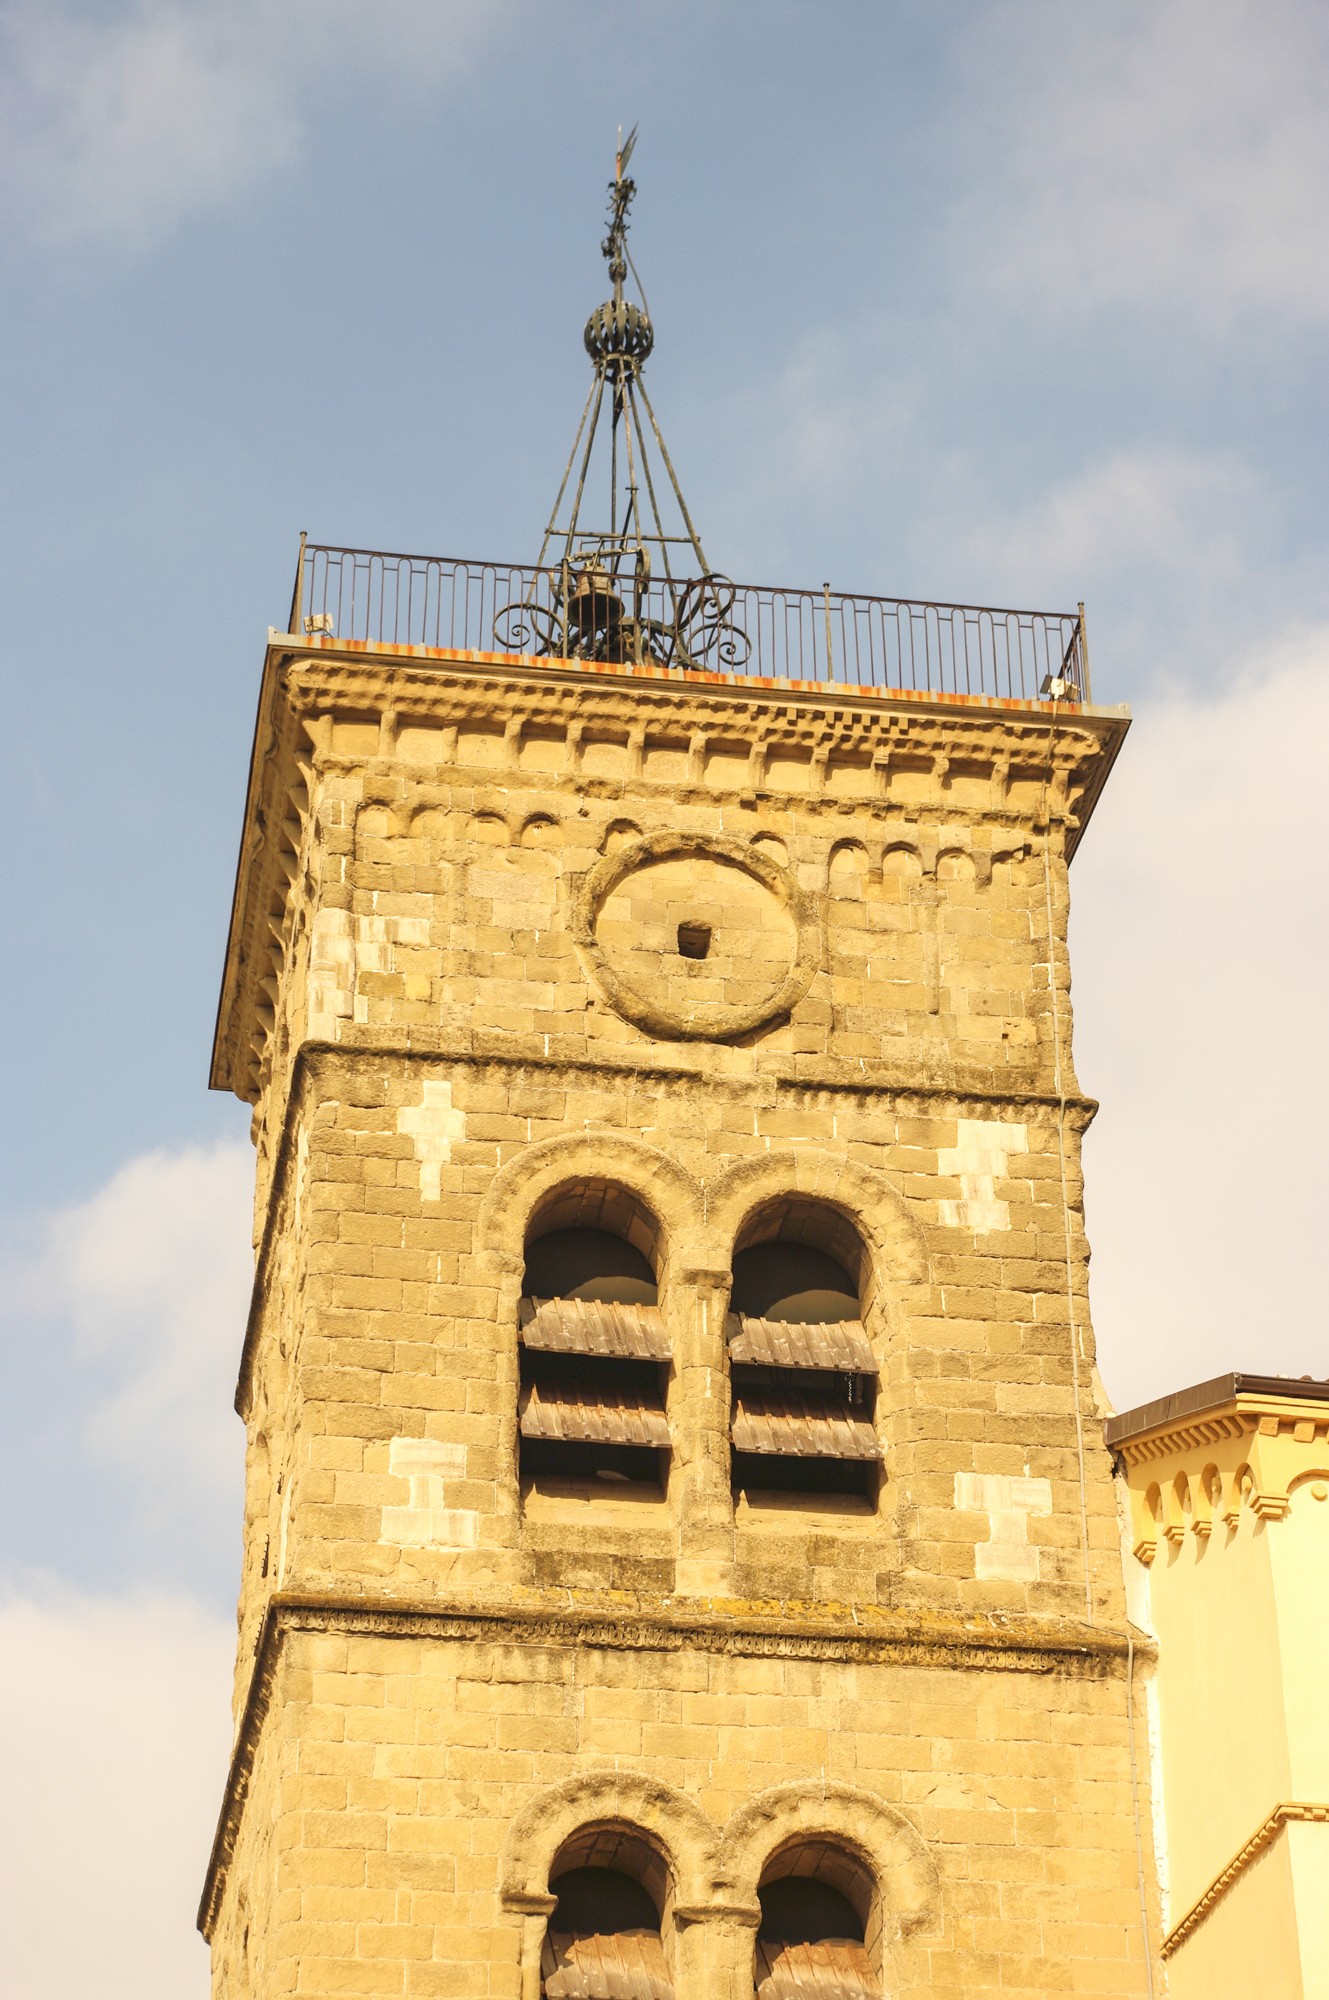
615	593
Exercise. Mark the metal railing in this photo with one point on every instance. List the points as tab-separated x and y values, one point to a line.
602	607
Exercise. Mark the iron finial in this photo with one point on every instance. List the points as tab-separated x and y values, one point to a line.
621	191
614	593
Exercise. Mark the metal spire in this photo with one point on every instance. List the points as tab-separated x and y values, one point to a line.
616	593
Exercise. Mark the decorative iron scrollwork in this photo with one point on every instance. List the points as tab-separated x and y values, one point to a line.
605	600
705	626
592	613
526	627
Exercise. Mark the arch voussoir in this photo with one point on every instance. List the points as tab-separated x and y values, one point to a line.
523	1182
865	1195
684	1834
899	1857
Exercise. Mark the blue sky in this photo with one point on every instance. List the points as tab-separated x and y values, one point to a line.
998	300
909	337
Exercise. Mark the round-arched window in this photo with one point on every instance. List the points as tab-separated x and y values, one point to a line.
605	1939
820	1925
594	1353
803	1374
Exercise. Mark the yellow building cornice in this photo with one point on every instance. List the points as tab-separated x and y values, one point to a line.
1265	1834
1202	1455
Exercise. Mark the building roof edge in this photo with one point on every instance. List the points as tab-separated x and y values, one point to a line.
1210	1395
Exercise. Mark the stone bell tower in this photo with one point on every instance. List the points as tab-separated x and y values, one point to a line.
680	1556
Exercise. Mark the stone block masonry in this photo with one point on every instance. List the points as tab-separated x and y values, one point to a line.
518	947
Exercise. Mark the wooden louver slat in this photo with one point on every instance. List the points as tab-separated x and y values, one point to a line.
574	1414
836	1969
794	1427
593	1326
839	1345
630	1965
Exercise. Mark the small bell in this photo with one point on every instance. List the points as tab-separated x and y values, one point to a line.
594	606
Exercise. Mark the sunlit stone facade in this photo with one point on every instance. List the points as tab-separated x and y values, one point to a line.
528	952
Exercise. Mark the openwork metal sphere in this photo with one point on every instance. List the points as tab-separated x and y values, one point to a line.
618	331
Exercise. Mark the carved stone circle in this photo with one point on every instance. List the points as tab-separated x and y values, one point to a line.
771	980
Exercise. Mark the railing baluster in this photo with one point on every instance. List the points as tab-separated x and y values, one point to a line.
796	635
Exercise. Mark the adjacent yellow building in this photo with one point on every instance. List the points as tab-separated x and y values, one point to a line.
1228	1488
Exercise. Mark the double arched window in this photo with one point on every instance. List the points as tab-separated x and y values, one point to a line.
610	1935
595	1355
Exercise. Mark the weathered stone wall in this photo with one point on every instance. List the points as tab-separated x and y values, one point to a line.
420	1179
457	796
456	995
429	1781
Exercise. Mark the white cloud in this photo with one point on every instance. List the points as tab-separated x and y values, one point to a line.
809	453
1201	954
124	125
114	1734
148	1281
1149	151
1176	550
122	122
1150	508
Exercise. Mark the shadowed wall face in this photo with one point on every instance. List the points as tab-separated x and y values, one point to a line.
792	1282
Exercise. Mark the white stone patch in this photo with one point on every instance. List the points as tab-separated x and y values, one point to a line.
395	930
432	1125
425	1523
519	897
376	941
378	937
1008	1554
980	1158
299	1178
283	1531
331	974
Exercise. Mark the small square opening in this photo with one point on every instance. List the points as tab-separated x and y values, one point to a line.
694	940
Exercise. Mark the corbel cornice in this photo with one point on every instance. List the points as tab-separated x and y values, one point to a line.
1240	1442
306	682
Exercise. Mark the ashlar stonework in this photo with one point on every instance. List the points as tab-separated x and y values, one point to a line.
458	997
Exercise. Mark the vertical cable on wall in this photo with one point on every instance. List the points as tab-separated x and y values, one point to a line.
1060	1087
1135	1808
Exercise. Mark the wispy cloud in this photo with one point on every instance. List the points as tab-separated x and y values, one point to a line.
1201	955
1180	550
1149	509
1160	153
121	122
807	456
826	419
123	125
1177	549
140	1294
114	1731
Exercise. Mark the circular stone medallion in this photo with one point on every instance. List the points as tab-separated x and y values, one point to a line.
694	938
